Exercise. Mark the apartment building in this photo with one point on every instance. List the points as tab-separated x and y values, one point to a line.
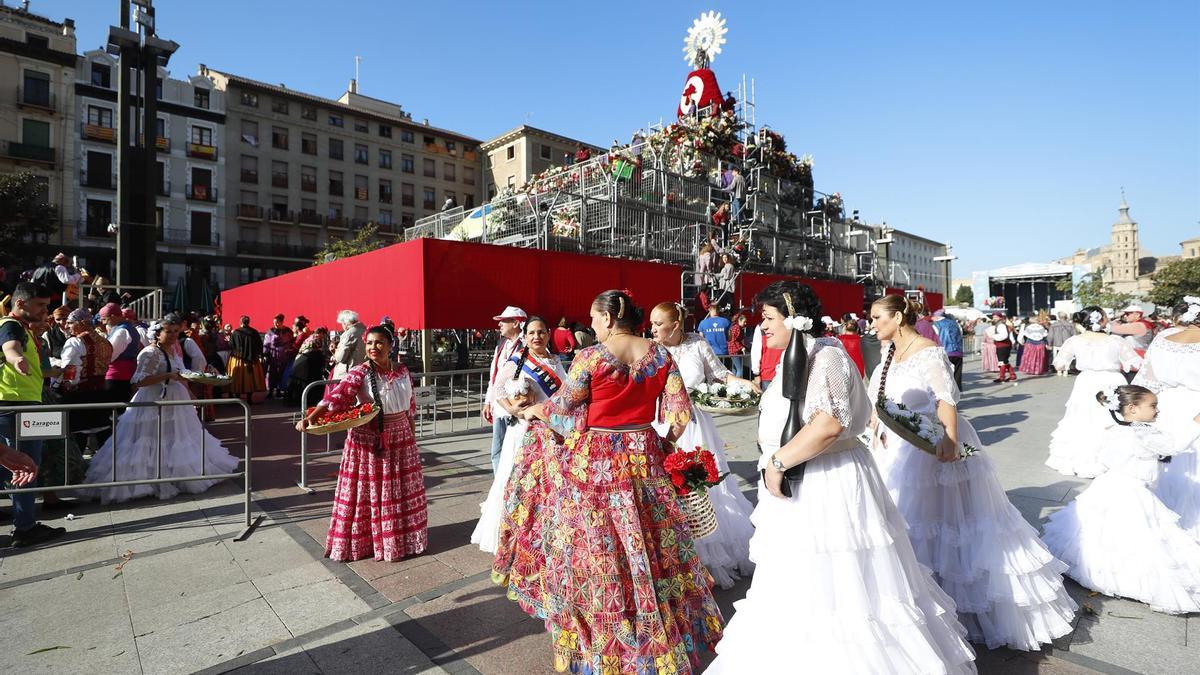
913	261
37	105
189	143
306	169
517	155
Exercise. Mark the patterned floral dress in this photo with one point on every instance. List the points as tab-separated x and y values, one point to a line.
621	588
379	507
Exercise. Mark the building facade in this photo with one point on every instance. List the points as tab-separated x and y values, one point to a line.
304	170
911	261
1125	265
515	156
1189	248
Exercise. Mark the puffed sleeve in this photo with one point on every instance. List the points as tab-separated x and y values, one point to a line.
345	394
713	368
1066	354
503	374
939	375
674	407
830	387
567	409
149	363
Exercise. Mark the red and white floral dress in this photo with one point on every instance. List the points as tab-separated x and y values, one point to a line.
379	507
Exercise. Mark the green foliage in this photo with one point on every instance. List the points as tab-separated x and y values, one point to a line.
1092	290
365	240
1175	280
964	295
25	216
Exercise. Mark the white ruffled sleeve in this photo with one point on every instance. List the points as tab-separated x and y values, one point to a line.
1129	357
939	375
149	363
714	369
830	387
1066	353
504	374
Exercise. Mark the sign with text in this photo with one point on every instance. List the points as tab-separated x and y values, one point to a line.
41	425
425	396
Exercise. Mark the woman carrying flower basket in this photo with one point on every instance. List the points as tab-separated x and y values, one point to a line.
624	591
1006	584
379	505
726	553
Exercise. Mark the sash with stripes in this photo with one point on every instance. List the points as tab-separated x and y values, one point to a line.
543	375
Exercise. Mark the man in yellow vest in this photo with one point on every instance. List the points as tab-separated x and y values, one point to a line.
21	385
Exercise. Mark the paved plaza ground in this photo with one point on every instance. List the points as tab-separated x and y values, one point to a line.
163	587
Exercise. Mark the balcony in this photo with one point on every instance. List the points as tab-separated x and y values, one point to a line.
35	153
164	145
308	183
360	193
201	151
279	180
250	212
336	187
359	222
385	198
278	215
190	236
36	98
470	156
201	193
95	132
310	218
269	250
98	181
250	176
338	222
93	228
164	188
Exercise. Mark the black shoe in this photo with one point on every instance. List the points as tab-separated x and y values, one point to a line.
997	380
38	534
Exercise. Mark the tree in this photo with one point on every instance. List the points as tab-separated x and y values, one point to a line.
365	240
25	216
1175	280
964	295
1092	290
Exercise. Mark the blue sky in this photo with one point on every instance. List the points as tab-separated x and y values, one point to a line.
1006	129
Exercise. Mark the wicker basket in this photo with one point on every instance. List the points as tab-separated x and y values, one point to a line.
711	410
334	427
698	510
906	434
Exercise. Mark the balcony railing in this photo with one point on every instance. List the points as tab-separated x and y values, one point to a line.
310	218
93	228
250	176
250	211
35	98
191	236
96	132
202	193
339	222
98	181
36	153
385	198
308	184
270	250
359	222
202	151
164	144
278	215
279	180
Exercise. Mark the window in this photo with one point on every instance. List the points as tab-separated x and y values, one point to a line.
37	89
406	220
406	194
158	88
250	133
469	175
407	164
202	136
448	172
336	121
98	172
279	106
406	136
308	144
451	147
101	75
201	228
336	187
335	210
39	41
249	198
385	131
100	117
361	215
427	199
360	188
430	168
200	98
470	202
512	181
279	174
544	151
429	140
335	148
385	191
511	152
385	159
249	169
385	217
361	126
279	208
360	154
308	178
279	138
249	99
308	112
99	215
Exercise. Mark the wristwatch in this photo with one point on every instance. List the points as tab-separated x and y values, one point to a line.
777	464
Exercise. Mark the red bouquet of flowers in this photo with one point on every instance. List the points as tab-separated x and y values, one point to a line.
694	470
341	420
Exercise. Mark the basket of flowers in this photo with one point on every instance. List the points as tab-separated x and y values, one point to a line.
332	422
921	431
210	379
692	473
719	398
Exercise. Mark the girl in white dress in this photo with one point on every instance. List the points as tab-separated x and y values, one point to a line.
156	378
530	376
1100	358
726	552
1117	536
1006	584
837	587
1172	371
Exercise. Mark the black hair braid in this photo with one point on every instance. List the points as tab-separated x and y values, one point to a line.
887	364
521	362
373	385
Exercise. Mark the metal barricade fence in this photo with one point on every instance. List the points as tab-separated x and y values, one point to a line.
448	402
67	408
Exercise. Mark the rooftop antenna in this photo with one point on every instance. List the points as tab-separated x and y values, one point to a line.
357	61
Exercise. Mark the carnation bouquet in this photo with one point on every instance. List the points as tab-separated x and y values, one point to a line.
692	473
724	399
922	431
331	422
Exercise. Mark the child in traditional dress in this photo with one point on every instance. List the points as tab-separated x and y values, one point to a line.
1117	536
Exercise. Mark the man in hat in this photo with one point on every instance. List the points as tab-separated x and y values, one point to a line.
1134	327
950	334
509	321
126	342
85	359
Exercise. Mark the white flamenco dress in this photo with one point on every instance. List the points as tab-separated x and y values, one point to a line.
1075	443
491	511
1172	371
1007	585
726	552
136	440
837	587
1118	537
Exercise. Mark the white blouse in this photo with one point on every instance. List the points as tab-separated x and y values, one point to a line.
697	362
1097	351
1134	450
1170	364
919	382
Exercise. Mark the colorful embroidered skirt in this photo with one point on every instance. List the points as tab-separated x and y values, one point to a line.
379	505
622	590
247	377
1033	358
520	559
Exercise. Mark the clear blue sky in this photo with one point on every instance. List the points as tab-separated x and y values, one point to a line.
1006	128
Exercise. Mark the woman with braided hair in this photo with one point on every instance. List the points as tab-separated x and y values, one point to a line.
379	505
1007	586
837	587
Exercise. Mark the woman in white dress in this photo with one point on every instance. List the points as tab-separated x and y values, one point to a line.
1100	358
530	376
1006	584
726	552
837	587
1172	371
157	378
1117	536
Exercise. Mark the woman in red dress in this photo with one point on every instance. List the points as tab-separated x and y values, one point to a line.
379	505
622	589
852	341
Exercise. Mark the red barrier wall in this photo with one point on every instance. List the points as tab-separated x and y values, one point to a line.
431	283
837	297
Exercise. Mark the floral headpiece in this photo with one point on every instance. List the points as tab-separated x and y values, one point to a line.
1111	401
1193	310
1094	319
793	322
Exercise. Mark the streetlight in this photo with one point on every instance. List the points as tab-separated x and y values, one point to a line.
946	259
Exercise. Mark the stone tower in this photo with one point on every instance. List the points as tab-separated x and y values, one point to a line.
1123	252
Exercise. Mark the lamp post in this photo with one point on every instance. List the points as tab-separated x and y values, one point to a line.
945	260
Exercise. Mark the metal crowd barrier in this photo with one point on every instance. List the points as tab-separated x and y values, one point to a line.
448	403
67	408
